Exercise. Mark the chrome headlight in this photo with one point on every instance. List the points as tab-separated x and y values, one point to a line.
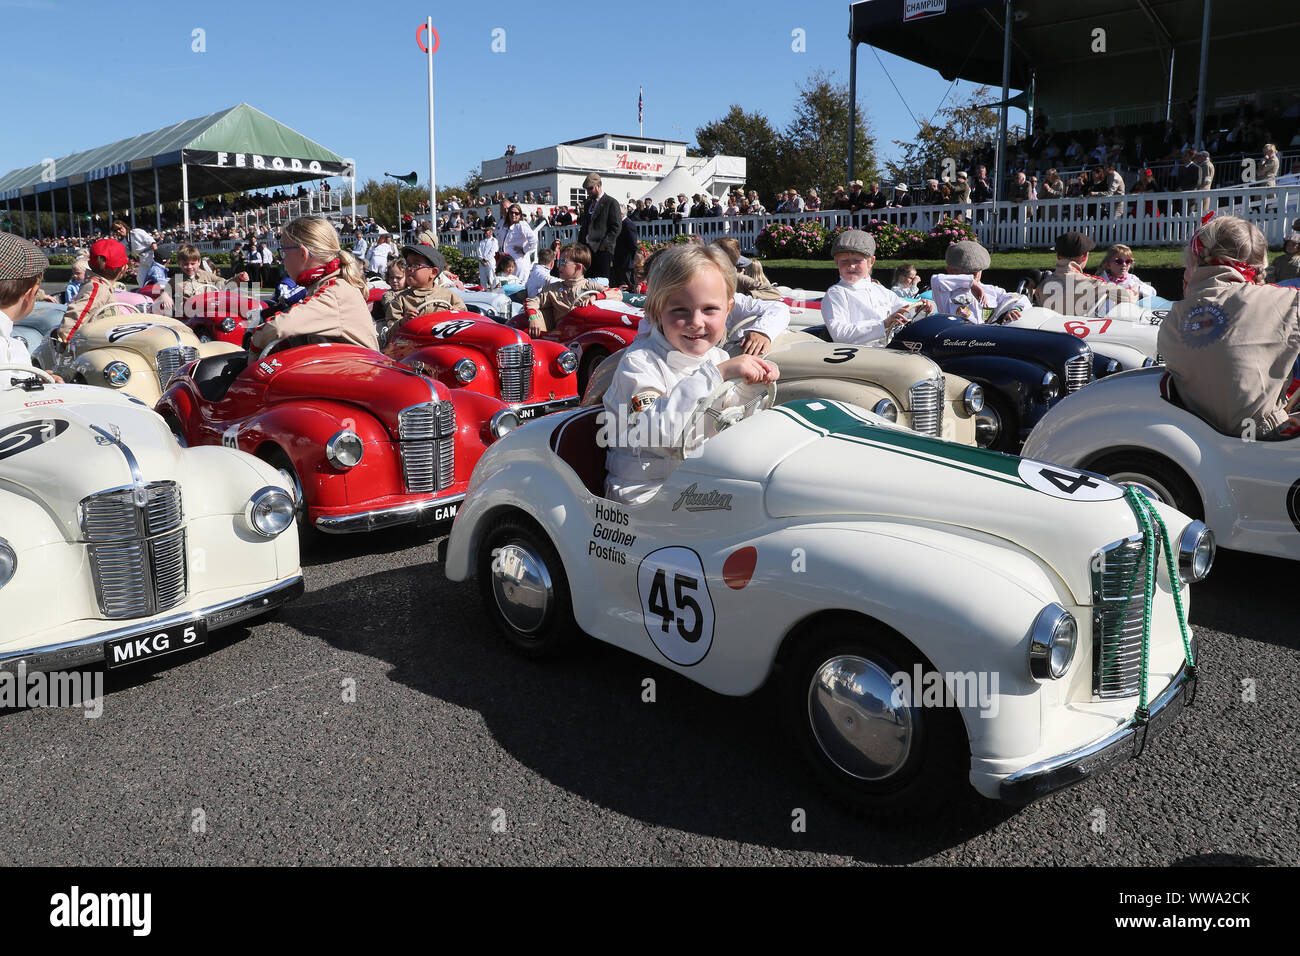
1052	643
568	361
117	374
8	562
1195	552
465	370
227	325
503	423
344	449
886	409
1112	367
973	399
1148	362
269	511
1051	386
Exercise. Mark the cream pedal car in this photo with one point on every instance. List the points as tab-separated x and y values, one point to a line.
1134	429
125	350
119	546
817	546
1122	340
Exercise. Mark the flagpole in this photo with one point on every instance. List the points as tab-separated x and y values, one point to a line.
433	188
640	114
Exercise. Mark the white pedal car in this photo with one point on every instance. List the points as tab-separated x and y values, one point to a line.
119	546
1132	429
1126	337
817	545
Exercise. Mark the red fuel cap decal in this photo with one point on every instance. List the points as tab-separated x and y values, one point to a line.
739	567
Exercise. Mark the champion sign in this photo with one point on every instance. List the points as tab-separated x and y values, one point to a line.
917	9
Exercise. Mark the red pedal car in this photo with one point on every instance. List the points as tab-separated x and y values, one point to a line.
467	352
596	331
219	316
365	442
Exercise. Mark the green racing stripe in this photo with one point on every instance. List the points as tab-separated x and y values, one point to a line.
832	419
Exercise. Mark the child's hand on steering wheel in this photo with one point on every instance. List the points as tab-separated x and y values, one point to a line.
754	370
755	343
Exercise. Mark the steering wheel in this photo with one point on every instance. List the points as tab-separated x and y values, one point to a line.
712	414
31	369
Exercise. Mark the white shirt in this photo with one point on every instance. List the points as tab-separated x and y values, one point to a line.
856	312
520	242
377	258
537	278
487	250
139	241
654	390
947	288
13	350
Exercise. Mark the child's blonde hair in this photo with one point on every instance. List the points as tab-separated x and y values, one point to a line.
1230	237
755	270
674	267
318	237
731	247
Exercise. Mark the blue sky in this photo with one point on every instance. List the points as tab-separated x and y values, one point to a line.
350	76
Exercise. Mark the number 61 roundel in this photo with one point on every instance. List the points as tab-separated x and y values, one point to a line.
676	606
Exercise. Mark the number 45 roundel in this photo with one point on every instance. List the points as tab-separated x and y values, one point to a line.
676	606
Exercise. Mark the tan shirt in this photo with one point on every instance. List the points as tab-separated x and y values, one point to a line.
408	303
559	297
1284	267
180	289
1071	291
1230	346
748	285
95	293
332	308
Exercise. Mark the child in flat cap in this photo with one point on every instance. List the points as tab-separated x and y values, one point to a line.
856	309
21	267
962	293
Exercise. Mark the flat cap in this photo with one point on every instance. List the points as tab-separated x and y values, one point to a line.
19	259
854	240
1072	244
427	252
967	256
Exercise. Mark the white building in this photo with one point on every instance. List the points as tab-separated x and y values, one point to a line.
629	166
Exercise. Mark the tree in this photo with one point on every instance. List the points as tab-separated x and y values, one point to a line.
817	141
962	129
752	136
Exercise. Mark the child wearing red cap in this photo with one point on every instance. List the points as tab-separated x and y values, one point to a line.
108	264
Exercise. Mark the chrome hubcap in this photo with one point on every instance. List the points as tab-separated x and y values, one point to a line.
1144	484
522	587
859	719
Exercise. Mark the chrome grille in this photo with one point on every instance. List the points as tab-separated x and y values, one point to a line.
515	365
1117	580
171	360
1078	372
927	401
427	436
137	552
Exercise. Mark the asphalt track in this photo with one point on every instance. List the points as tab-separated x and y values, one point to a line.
457	751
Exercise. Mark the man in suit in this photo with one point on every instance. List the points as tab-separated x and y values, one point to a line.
600	226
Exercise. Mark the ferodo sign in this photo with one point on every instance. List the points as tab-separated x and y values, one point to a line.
289	164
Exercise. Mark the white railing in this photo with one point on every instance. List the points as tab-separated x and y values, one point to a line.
1144	219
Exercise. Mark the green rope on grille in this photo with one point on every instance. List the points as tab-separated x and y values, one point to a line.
1147	516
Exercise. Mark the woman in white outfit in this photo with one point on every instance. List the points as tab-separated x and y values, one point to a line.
519	241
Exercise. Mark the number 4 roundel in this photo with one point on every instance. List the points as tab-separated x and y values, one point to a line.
1067	483
676	606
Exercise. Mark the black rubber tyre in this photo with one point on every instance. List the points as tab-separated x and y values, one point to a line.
1161	476
176	429
1008	437
308	535
936	767
556	633
590	359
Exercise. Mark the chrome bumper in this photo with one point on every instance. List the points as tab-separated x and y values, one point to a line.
435	511
90	650
1056	773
